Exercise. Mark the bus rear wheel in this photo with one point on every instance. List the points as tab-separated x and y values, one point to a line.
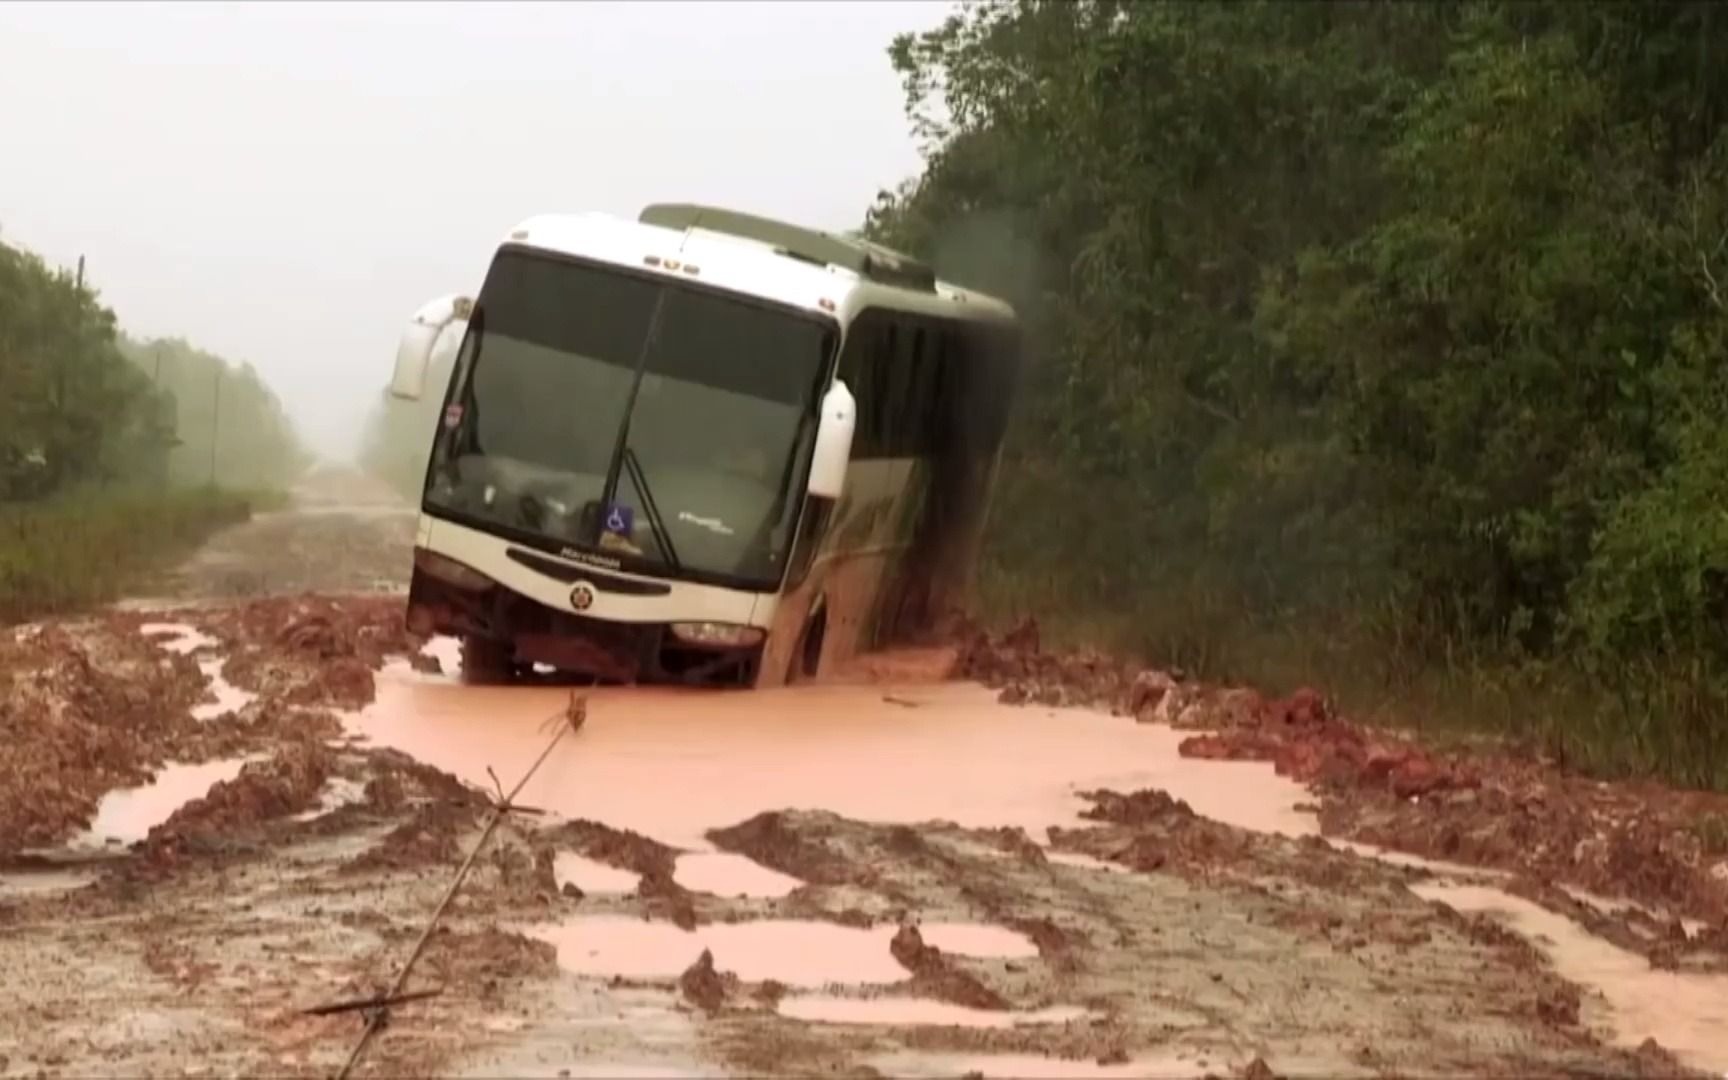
486	660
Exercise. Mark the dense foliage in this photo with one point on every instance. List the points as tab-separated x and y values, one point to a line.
82	406
1374	340
105	445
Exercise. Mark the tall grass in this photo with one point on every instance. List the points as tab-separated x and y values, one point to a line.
72	551
1613	716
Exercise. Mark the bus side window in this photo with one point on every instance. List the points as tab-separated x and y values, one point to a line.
905	395
858	367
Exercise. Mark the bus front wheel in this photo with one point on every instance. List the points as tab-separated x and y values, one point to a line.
486	660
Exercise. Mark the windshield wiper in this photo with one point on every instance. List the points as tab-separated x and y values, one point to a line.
656	524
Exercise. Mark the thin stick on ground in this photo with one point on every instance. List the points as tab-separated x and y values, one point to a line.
573	717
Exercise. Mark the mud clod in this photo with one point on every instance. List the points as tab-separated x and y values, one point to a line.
909	948
702	986
667	899
767	839
85	710
1140	808
1494	808
286	784
1258	1070
934	975
621	848
770	993
428	837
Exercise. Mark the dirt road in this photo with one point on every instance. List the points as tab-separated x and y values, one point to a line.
243	798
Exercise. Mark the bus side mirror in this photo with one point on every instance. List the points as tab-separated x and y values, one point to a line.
833	449
414	351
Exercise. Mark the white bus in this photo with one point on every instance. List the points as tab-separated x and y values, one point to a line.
701	447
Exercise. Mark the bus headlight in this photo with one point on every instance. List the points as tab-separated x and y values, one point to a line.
450	571
717	635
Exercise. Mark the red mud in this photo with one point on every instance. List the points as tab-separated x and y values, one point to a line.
935	976
264	791
768	840
81	715
631	851
1642	842
703	986
314	650
621	848
429	837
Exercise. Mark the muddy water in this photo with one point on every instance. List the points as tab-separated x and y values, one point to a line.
1029	1067
673	765
916	1012
229	698
798	953
177	637
810	954
589	876
126	816
731	875
1686	1013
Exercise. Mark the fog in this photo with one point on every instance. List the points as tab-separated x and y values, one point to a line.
285	184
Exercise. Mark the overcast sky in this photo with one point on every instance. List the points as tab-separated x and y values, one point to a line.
285	184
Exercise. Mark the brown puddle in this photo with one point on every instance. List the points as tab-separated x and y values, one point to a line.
1030	1067
794	953
916	1012
674	764
591	876
127	815
725	874
177	637
229	698
1686	1013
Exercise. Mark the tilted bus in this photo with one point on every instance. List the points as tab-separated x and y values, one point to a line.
701	447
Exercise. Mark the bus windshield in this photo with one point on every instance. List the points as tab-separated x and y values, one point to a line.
703	450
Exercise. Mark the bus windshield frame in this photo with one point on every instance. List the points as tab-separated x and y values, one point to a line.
632	420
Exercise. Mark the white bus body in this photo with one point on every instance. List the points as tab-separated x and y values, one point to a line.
593	520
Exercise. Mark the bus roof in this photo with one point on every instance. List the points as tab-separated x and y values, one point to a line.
760	257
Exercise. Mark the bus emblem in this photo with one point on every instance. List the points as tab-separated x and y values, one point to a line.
582	597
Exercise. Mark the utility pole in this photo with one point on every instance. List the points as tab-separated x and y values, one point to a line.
157	377
215	422
80	273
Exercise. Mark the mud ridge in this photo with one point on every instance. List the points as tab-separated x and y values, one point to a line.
1499	809
84	709
935	975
